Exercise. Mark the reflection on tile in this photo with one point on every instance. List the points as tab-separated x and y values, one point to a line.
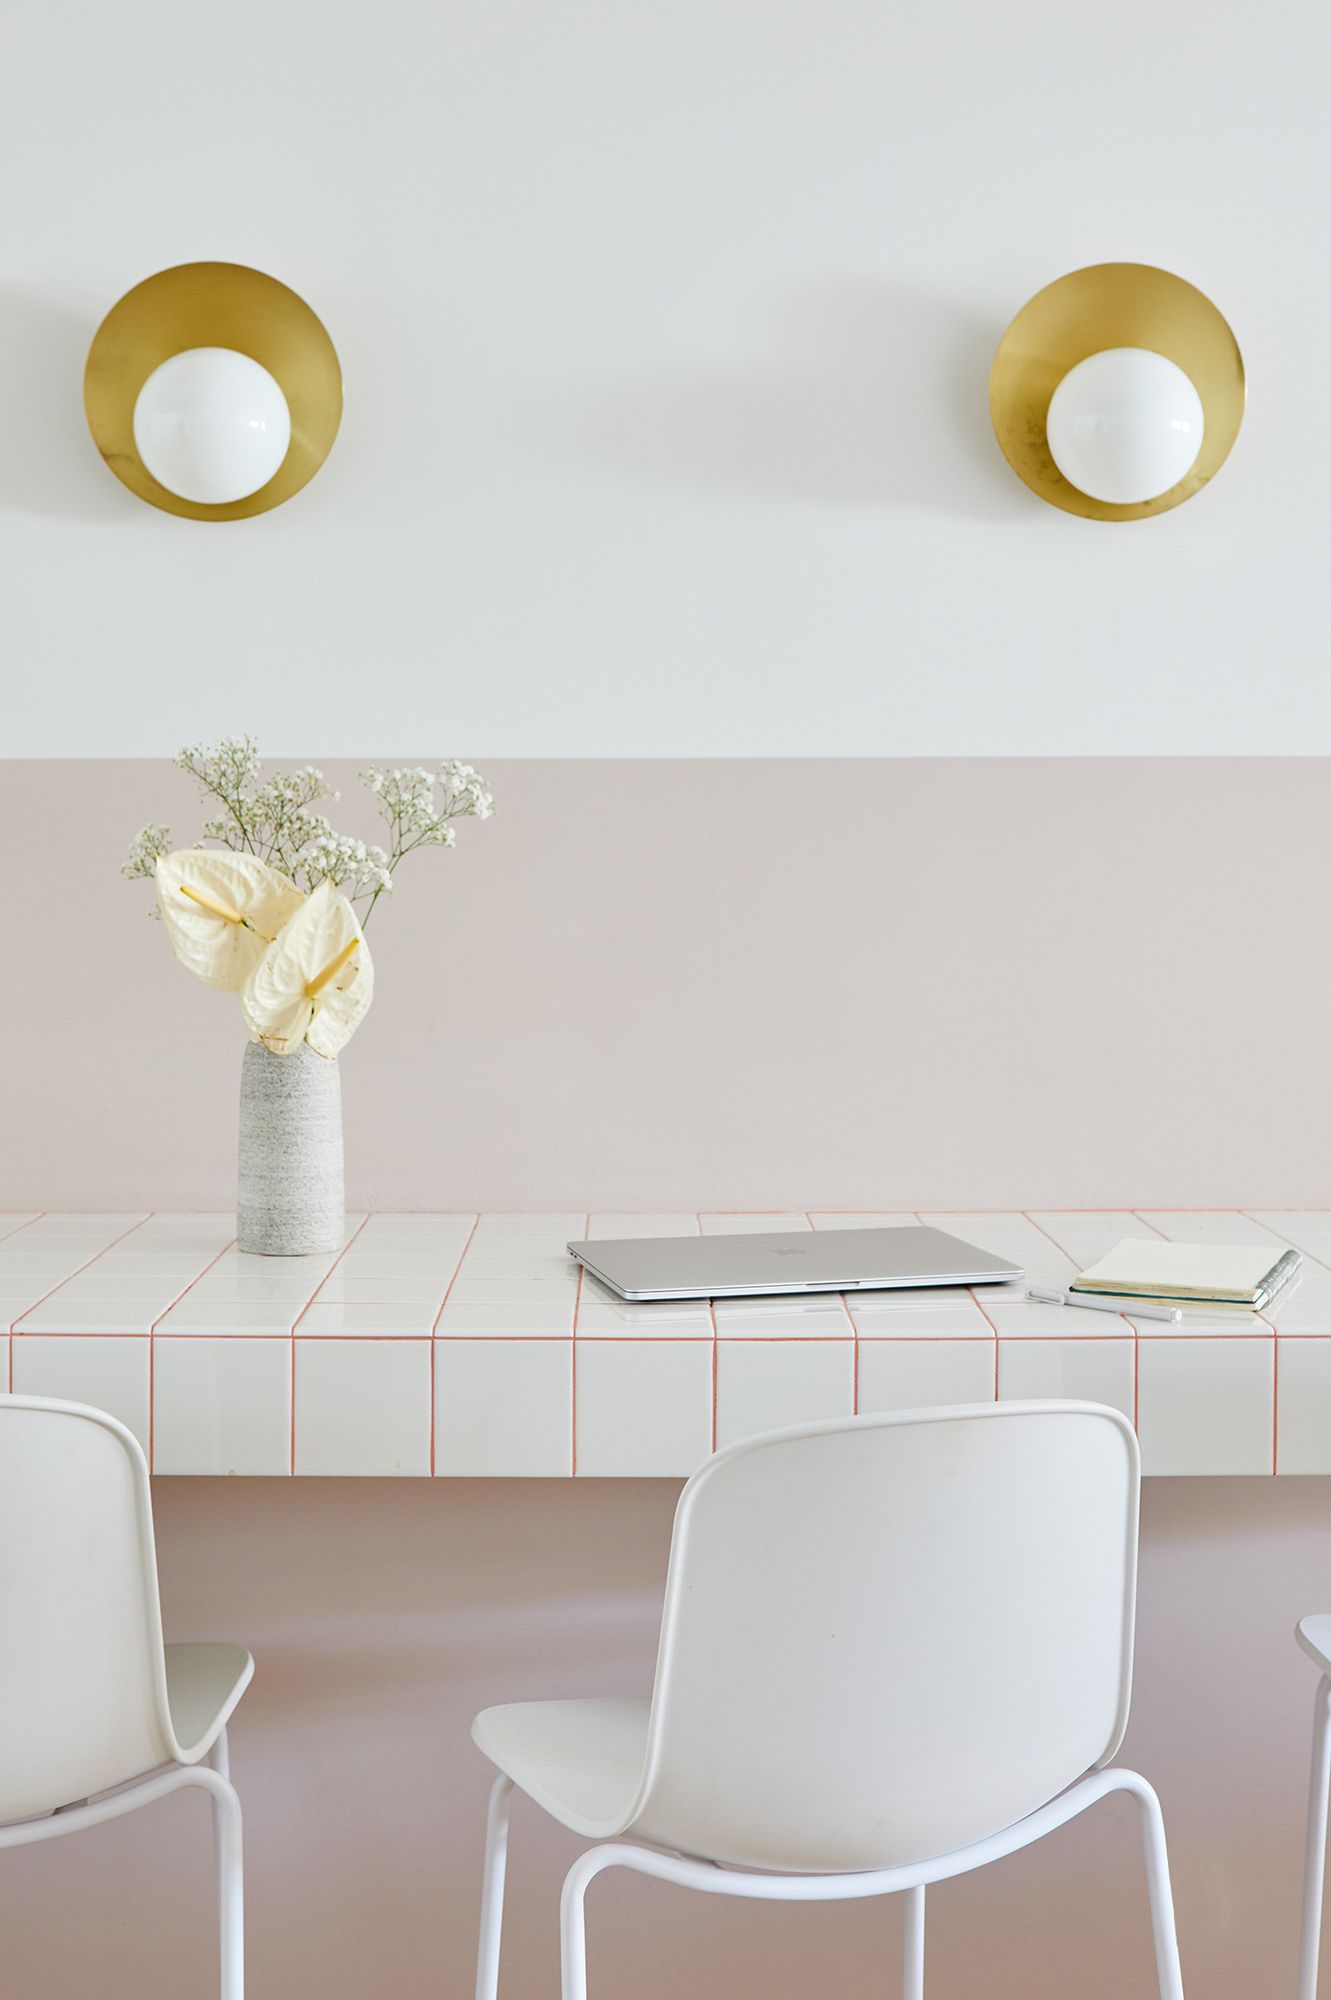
763	1386
504	1408
113	1286
420	1228
381	1261
363	1407
644	1407
742	1320
514	1291
1304	1304
1084	1371
339	1289
1206	1406
1303	1405
111	1375
222	1406
921	1374
670	1320
1208	1324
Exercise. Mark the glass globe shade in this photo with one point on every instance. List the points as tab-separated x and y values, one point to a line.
1125	425
211	425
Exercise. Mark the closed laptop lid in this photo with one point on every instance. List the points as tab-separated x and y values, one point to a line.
810	1260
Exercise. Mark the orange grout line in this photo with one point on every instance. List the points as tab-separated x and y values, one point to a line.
434	1329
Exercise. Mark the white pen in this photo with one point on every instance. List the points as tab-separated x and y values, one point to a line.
1138	1308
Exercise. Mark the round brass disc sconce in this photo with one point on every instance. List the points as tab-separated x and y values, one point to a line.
213	391
1123	376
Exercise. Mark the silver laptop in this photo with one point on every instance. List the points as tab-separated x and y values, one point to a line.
810	1260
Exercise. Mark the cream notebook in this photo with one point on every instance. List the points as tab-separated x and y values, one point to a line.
1237	1274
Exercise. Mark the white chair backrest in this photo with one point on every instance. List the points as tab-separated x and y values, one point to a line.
889	1636
82	1673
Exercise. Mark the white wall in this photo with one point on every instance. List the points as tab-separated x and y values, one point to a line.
666	327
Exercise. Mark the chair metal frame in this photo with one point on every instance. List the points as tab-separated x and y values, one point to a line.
212	1778
1313	1642
911	1881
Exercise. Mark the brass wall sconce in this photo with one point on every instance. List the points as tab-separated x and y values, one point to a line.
213	391
1117	392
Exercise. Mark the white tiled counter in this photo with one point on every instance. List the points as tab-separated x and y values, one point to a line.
461	1344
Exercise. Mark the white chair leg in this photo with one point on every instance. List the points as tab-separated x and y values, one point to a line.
492	1890
1162	1896
912	1982
230	1890
219	1757
1314	1860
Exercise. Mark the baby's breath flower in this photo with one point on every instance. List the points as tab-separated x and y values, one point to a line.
272	818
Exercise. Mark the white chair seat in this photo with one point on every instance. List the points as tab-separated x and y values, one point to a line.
203	1684
581	1760
1314	1635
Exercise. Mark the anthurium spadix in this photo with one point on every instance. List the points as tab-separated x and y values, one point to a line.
315	981
222	911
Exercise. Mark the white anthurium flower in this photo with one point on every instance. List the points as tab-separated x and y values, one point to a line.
222	911
315	981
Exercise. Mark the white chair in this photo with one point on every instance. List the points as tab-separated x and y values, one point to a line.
1314	1635
889	1644
90	1698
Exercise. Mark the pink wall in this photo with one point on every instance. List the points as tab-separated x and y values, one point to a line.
835	984
383	1614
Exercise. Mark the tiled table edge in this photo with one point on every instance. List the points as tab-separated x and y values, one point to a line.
652	1405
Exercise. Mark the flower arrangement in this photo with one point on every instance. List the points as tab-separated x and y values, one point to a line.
269	912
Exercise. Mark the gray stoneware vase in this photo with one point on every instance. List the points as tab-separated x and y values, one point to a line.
290	1199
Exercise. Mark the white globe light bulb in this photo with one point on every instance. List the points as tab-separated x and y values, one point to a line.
1125	425
211	425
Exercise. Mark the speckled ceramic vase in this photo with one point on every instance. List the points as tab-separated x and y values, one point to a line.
290	1199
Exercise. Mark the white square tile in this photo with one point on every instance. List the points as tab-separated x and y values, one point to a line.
110	1375
921	1374
512	1291
859	1219
122	1288
621	1228
212	1226
542	1316
12	1309
222	1316
41	1273
1214	1322
558	1228
1046	1322
490	1261
1303	1405
1306	1229
91	1316
747	1319
179	1267
389	1320
435	1261
1084	1371
921	1322
96	1229
238	1277
1206	1406
222	1406
504	1408
419	1228
1086	1234
339	1289
752	1225
16	1220
363	1407
644	1407
765	1385
1304	1304
1210	1225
